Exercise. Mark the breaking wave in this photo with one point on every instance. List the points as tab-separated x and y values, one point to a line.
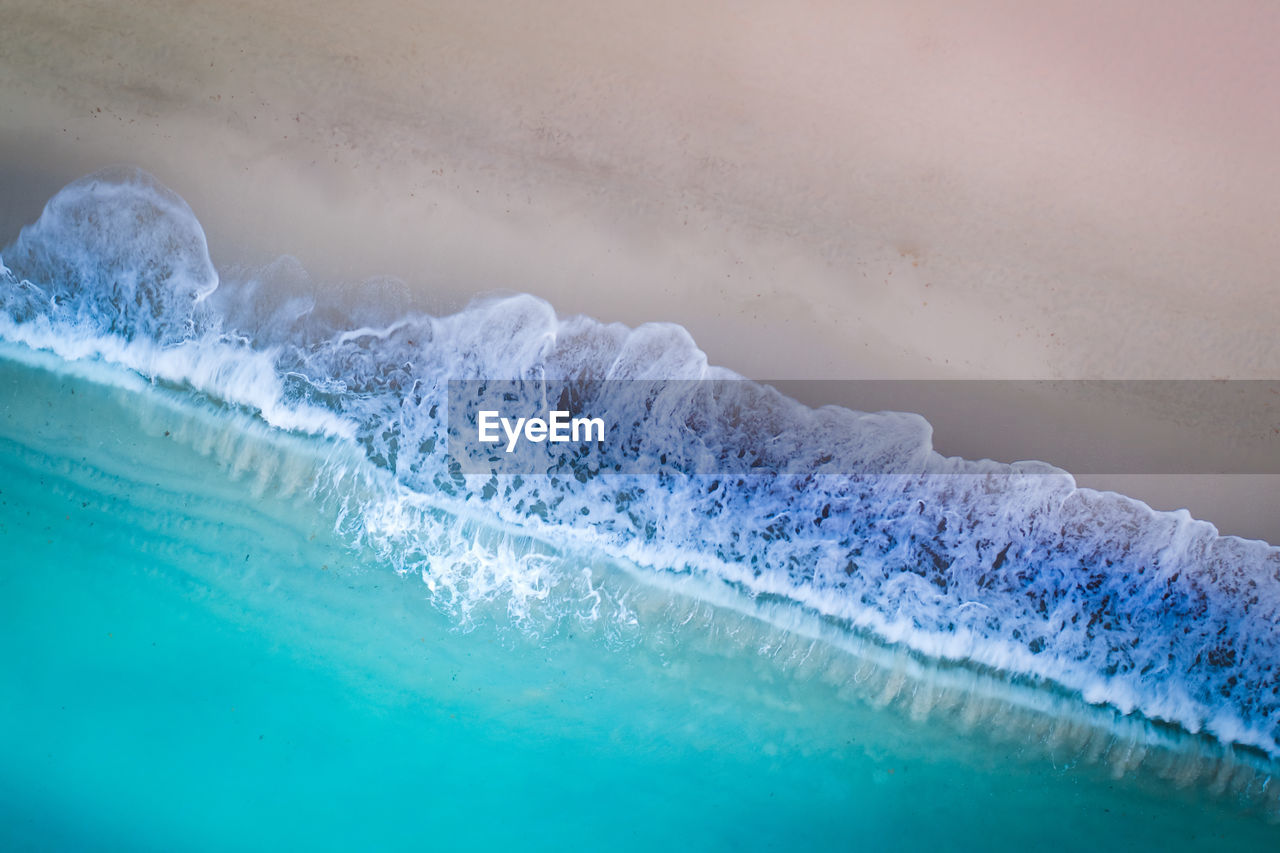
1011	569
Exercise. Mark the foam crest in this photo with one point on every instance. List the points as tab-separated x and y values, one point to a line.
116	252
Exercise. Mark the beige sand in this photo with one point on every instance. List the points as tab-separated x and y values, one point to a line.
818	188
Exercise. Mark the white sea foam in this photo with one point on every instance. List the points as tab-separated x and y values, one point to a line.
1009	567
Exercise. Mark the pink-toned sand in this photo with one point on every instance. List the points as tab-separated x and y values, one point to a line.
814	188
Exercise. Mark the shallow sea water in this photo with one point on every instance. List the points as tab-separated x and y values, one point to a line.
194	661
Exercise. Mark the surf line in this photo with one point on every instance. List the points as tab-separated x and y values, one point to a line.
556	427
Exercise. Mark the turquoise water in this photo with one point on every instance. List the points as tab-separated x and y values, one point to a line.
195	661
250	601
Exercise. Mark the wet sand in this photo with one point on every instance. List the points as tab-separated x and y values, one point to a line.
815	190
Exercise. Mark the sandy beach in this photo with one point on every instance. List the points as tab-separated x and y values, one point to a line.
814	190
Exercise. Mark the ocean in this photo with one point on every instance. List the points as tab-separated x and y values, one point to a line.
253	600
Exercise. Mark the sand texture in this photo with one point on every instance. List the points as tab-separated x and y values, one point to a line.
815	189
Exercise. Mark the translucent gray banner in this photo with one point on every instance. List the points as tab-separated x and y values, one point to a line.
728	427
